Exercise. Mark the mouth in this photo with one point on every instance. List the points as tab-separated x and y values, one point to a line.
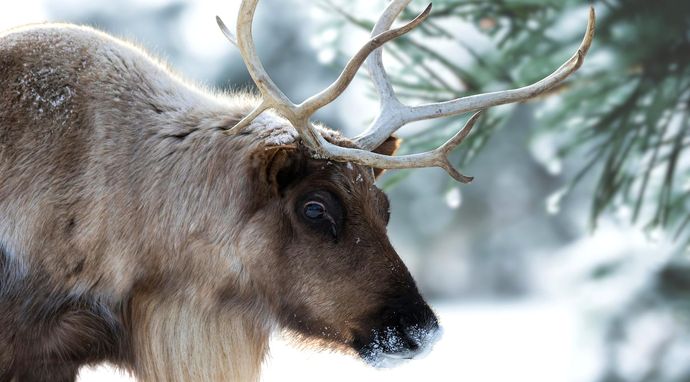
391	346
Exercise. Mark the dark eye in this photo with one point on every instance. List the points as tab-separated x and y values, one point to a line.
314	210
322	212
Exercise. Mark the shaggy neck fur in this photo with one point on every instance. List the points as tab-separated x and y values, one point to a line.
177	341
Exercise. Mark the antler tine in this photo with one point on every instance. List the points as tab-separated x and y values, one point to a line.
273	97
302	112
226	32
329	94
434	158
394	115
374	63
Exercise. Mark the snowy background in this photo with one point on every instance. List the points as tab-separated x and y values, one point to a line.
524	290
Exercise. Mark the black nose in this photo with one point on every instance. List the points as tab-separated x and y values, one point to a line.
402	334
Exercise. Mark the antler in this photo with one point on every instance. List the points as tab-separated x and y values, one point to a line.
393	114
274	98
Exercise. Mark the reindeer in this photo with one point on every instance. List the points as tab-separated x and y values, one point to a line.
169	230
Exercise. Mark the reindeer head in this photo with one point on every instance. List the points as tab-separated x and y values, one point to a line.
327	266
323	258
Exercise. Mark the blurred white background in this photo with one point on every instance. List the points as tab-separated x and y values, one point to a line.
511	273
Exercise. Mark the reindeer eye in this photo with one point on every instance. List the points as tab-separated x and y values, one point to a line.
322	212
314	210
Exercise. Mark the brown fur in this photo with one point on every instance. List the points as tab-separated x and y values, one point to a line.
133	230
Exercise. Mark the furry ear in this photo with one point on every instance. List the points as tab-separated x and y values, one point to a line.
388	147
277	167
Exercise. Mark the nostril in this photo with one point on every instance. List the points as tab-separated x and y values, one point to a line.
422	337
412	343
414	336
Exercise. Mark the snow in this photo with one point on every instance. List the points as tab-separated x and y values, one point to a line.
518	341
276	130
103	373
544	149
525	341
454	198
553	202
37	88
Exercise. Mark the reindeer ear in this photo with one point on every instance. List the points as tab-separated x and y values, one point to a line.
388	147
277	167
